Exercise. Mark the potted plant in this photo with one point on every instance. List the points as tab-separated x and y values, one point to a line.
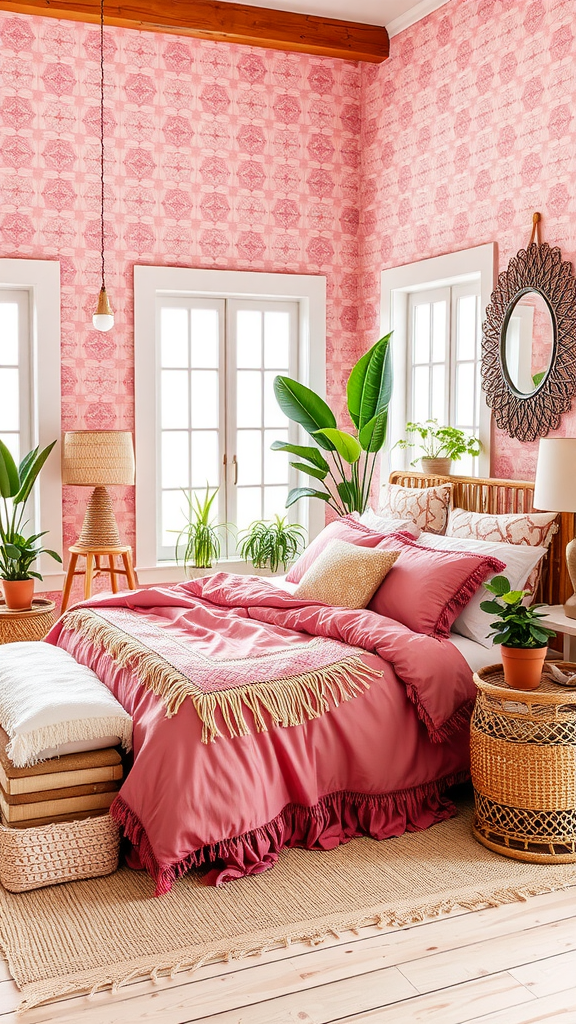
346	462
18	552
271	544
199	534
440	445
522	637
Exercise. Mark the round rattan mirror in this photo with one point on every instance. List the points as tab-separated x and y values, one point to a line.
529	342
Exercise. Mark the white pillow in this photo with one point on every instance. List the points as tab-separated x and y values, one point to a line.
519	561
48	700
387	524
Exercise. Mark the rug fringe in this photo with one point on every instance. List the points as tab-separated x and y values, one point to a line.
147	969
289	701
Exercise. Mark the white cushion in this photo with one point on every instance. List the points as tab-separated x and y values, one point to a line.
48	702
519	561
388	524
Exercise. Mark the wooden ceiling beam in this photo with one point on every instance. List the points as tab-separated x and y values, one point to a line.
226	22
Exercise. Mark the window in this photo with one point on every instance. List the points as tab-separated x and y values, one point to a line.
208	345
218	412
15	378
434	308
443	359
30	387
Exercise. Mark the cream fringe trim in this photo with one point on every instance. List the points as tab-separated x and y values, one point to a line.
291	700
312	933
26	750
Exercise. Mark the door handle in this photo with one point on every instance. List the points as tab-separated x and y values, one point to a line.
235	464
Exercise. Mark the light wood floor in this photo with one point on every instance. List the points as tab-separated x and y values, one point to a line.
513	964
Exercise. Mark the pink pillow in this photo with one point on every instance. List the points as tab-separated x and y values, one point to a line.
426	589
347	528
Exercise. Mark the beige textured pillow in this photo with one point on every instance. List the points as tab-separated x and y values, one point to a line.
345	575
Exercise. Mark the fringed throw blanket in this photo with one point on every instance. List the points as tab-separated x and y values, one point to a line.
248	654
294	684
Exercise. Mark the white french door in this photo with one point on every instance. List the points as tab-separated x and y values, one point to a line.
217	359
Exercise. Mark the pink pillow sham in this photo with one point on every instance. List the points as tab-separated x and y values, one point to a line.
426	590
347	528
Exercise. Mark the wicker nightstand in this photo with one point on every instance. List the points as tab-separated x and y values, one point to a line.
32	624
523	764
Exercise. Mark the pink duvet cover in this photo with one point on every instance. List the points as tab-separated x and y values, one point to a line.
378	764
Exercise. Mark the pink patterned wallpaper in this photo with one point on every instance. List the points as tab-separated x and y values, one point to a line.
218	156
226	156
467	129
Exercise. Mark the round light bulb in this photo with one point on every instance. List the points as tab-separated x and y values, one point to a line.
103	321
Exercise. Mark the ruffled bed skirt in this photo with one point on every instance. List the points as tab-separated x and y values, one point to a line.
335	819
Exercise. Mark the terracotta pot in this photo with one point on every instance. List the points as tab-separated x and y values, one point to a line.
436	467
18	594
523	666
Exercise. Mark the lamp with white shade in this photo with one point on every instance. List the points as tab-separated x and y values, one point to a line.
555	491
98	459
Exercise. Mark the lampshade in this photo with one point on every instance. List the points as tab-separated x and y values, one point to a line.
97	458
555	488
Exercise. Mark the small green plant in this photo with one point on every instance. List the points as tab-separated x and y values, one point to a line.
436	442
200	533
271	543
517	625
17	552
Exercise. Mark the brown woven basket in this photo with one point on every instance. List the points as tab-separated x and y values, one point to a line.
523	766
30	624
33	857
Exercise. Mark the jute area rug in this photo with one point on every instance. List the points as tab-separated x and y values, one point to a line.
100	933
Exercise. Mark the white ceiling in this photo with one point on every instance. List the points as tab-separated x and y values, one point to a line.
394	14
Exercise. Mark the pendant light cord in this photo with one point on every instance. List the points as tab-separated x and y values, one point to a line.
102	139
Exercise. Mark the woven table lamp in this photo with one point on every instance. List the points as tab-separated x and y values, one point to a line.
555	491
98	459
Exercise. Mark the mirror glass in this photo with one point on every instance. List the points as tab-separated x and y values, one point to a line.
528	346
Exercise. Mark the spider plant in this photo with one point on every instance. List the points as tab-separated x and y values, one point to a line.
200	532
271	543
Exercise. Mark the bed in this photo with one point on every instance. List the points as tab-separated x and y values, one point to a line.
364	731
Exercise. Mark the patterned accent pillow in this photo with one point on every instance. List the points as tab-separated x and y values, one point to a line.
388	524
534	528
345	575
425	506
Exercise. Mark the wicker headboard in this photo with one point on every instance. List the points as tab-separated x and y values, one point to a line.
491	495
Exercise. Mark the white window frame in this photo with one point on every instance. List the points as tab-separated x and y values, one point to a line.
149	283
479	263
41	280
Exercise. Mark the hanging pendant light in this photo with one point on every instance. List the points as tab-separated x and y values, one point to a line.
103	318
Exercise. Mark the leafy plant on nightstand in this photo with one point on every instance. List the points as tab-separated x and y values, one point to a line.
523	638
271	544
17	551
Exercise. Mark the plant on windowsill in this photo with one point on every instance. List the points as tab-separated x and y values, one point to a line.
271	544
18	552
522	637
439	445
200	535
346	468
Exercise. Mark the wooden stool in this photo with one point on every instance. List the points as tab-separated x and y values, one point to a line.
94	568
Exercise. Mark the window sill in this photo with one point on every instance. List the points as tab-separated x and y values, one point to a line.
170	572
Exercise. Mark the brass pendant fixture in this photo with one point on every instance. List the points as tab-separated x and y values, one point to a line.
103	318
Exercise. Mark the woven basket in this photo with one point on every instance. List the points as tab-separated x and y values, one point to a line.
33	857
523	766
31	624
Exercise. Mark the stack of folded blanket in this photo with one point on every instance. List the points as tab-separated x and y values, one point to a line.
60	733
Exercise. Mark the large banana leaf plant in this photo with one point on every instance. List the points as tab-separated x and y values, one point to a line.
346	469
18	552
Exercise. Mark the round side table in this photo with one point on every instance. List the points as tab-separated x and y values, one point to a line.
32	624
523	766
